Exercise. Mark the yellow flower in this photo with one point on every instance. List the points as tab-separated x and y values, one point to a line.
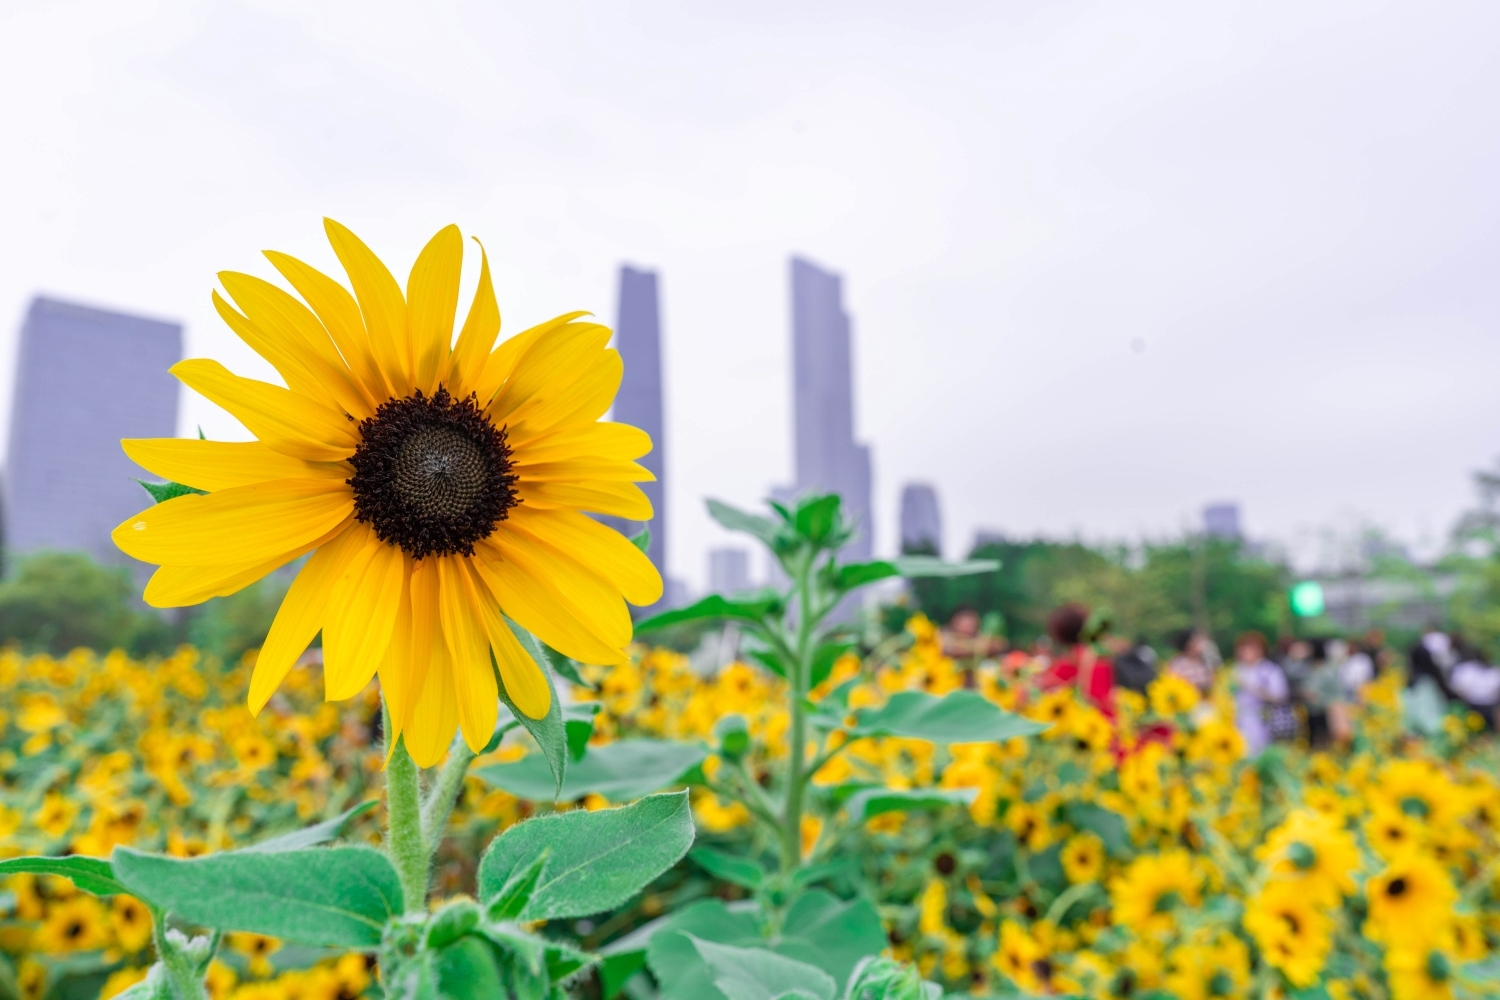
1420	790
932	908
1018	955
812	830
56	815
74	924
1410	900
440	491
1171	695
1392	833
1217	742
1292	931
258	948
1083	857
718	816
254	752
1314	851
1202	971
1420	973
131	921
220	980
119	981
1152	887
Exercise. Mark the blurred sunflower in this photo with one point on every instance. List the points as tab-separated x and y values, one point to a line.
1083	858
1420	973
1292	930
1152	887
440	491
1419	789
1411	899
1313	850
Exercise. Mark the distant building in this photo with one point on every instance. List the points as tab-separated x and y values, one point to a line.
989	536
85	378
921	521
1222	520
728	571
826	455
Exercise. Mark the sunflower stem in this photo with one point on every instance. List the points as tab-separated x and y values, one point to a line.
404	839
443	795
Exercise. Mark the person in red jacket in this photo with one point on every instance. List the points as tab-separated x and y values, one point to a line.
1076	663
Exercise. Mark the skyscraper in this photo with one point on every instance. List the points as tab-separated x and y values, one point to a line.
1222	520
827	457
921	521
728	571
639	402
85	378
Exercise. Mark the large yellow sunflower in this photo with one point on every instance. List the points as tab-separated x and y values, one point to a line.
439	485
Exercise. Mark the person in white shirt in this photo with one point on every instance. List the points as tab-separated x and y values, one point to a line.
1260	688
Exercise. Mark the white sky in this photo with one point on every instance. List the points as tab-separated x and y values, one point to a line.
1292	207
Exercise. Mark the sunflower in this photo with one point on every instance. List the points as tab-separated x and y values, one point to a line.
1171	695
74	924
1083	857
1392	833
1018	956
131	921
1313	850
440	491
1412	898
1420	973
1201	971
1420	790
1218	743
1152	887
1291	929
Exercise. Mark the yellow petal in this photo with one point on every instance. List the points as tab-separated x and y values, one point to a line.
469	653
426	636
397	685
434	717
466	363
548	368
380	303
338	311
502	361
525	684
432	303
584	471
582	401
361	617
300	616
291	424
618	499
219	465
236	526
300	335
540	596
597	440
601	548
181	586
291	370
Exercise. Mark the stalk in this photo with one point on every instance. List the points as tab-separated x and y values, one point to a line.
791	832
404	838
444	794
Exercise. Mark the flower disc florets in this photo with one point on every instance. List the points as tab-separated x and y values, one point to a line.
432	474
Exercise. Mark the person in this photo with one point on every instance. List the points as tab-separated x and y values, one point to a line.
1261	700
1362	665
966	639
1075	662
1192	660
1135	663
1328	717
1431	660
1476	683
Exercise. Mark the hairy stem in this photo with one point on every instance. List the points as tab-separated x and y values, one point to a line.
444	794
404	839
184	973
791	825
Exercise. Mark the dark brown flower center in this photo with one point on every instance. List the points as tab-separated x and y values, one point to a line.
432	474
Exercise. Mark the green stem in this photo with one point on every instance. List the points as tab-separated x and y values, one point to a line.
404	839
444	795
184	974
791	824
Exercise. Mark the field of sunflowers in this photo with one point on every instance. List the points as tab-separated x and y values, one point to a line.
1136	857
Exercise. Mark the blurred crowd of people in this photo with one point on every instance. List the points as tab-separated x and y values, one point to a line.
1299	689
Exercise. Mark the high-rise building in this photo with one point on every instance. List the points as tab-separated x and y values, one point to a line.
85	378
921	521
728	571
1222	520
826	455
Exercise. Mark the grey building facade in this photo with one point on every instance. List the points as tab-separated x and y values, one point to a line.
827	457
728	571
85	378
921	520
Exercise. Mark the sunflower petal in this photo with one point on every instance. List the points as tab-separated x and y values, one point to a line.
434	716
235	526
601	548
181	586
361	618
466	363
398	687
585	470
432	303
283	420
338	311
292	372
220	465
300	616
525	684
548	368
583	401
469	653
502	360
618	499
603	439
380	303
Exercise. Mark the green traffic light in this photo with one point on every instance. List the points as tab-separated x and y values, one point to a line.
1307	599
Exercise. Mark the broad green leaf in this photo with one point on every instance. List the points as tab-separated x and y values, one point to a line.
853	575
642	539
618	969
565	667
563	960
526	950
312	836
94	875
872	802
162	492
331	896
549	731
619	771
676	964
887	979
715	606
758	974
516	893
819	519
452	922
599	859
1107	824
467	970
736	870
813	874
918	567
826	656
738	520
960	717
832	934
578	724
765	658
733	735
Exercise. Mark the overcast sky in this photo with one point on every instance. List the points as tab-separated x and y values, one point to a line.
1106	262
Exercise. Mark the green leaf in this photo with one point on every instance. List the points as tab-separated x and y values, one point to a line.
832	934
758	974
960	717
565	667
738	520
516	893
1107	824
154	987
715	606
564	960
733	735
618	969
578	723
467	970
549	731
312	836
738	871
642	540
95	875
619	771
331	896
812	874
599	859
887	979
918	567
872	802
452	922
162	492
676	964
819	519
852	575
826	656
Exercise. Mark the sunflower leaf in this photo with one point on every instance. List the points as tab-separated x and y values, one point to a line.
550	731
738	520
312	836
95	875
162	492
642	540
960	717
